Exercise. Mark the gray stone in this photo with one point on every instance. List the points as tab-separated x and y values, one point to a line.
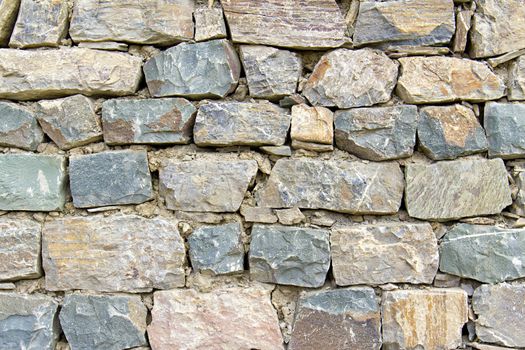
292	100
518	206
151	121
312	124
463	24
292	216
257	214
209	23
110	178
206	69
378	133
311	146
8	13
287	255
19	127
241	123
505	124
103	322
105	45
517	79
280	151
456	189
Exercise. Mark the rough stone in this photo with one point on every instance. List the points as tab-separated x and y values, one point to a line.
504	124
209	23
517	79
124	253
8	13
19	127
351	78
456	189
518	206
292	216
206	69
105	45
463	24
280	151
312	124
311	146
377	133
256	214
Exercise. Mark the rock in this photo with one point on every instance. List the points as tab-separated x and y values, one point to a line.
504	123
292	216
280	151
517	79
209	23
311	146
384	253
8	14
447	79
19	127
312	124
423	319
448	132
351	78
456	189
32	182
337	319
125	253
103	322
206	185
518	206
344	186
101	73
398	51
105	45
291	100
110	178
271	73
161	22
150	121
70	122
256	214
487	254
206	69
228	123
463	24
377	133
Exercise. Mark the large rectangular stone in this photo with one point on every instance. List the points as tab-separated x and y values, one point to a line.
504	124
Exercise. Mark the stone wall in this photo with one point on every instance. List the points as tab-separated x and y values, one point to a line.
302	174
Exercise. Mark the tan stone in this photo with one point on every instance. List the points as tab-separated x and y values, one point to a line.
256	214
209	23
292	216
517	79
312	124
463	23
8	13
311	146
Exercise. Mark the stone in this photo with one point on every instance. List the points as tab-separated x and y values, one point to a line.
70	122
377	133
337	319
228	317
19	127
28	321
423	319
256	214
485	253
103	322
149	121
384	253
161	22
271	73
206	69
518	206
312	124
292	216
503	124
32	182
105	45
344	186
209	23
394	51
218	249
8	14
280	151
119	253
30	74
463	24
206	185
291	100
294	256
110	178
229	123
311	146
456	189
516	81
19	249
447	79
509	56
295	24
448	132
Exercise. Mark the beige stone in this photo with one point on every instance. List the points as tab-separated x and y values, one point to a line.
8	13
517	79
292	216
256	214
312	124
209	23
463	23
311	146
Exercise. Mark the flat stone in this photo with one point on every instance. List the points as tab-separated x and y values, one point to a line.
292	100
206	69
103	322
509	56
150	121
503	124
209	23
463	24
280	151
103	73
351	78
363	131
292	216
312	124
337	319
19	127
518	206
8	14
456	189
384	253
257	214
206	185
311	146
447	79
125	253
105	45
448	132
110	178
32	182
344	186
19	249
517	79
229	123
398	51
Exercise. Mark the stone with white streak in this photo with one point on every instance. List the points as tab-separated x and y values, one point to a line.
517	79
19	127
8	13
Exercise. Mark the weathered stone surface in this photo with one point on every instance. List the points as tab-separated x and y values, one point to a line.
312	124
517	79
504	124
377	133
447	79
206	185
485	253
292	216
455	189
280	151
151	121
209	23
337	319
518	206
423	319
311	146
105	45
351	187
206	69
448	132
29	75
351	78
19	249
32	182
257	214
19	127
110	178
163	22
103	322
112	254
8	13
463	24
228	123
